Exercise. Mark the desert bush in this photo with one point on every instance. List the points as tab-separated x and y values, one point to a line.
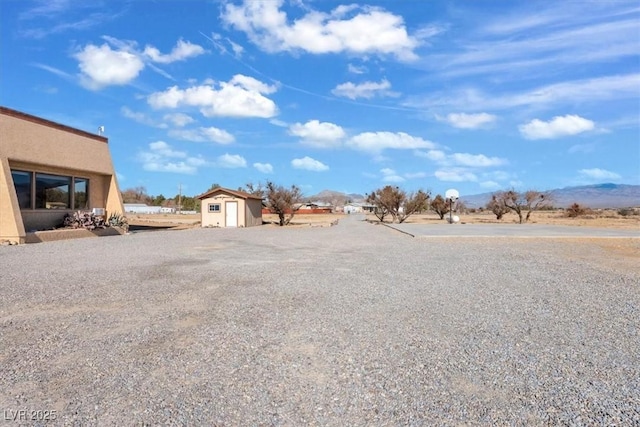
628	212
575	210
116	220
83	219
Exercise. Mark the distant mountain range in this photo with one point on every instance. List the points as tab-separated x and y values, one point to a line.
593	196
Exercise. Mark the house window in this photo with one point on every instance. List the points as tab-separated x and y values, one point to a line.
80	193
22	182
214	207
53	191
50	191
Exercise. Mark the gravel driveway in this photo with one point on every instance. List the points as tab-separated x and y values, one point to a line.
355	324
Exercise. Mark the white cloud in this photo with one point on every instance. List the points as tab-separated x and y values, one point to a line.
350	29
390	175
263	167
161	157
163	149
595	90
455	175
415	175
242	96
476	160
178	119
101	66
491	185
140	118
469	121
497	175
355	69
434	155
183	50
231	161
557	127
318	134
217	135
307	163
461	159
279	123
375	142
597	174
203	134
561	36
582	148
365	90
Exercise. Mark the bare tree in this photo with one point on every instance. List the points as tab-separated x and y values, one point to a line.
255	189
414	203
497	206
283	201
525	202
136	195
440	206
387	201
395	202
380	210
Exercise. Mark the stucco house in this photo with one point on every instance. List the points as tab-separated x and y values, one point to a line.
222	207
48	170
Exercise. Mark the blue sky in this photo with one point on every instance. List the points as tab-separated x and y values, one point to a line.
473	95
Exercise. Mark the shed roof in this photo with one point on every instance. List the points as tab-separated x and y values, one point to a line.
236	193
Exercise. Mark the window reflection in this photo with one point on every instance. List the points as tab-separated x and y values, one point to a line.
22	183
80	194
52	191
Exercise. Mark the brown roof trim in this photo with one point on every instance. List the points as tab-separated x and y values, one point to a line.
24	116
240	194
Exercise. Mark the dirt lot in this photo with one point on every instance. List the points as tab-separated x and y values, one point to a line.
355	324
603	219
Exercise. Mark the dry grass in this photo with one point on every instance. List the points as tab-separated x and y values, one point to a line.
174	221
309	220
601	219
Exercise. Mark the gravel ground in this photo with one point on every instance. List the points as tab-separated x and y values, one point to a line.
355	324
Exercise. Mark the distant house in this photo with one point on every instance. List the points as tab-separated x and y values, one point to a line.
315	207
141	208
350	208
222	207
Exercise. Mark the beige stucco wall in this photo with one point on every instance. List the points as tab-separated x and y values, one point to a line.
219	219
35	145
11	225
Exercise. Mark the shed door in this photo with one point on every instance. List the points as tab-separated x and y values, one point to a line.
231	209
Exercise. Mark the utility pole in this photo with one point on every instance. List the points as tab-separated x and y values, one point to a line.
179	197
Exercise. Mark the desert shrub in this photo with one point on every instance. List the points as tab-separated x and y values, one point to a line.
575	210
627	212
83	219
116	220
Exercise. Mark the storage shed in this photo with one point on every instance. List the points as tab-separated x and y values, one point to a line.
222	207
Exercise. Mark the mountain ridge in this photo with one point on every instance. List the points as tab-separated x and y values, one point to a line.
596	196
